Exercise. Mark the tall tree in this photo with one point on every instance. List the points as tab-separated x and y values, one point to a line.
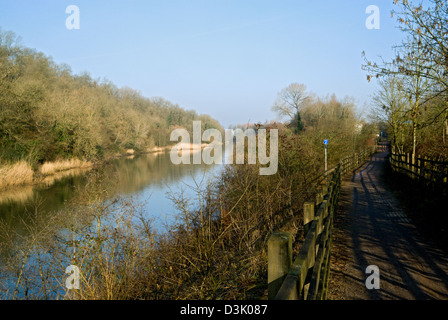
421	60
391	101
289	103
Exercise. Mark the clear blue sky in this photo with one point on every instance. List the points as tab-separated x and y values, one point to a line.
225	58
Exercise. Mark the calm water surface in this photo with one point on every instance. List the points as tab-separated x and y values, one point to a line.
147	179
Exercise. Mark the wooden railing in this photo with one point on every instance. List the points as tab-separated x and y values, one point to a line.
423	168
307	277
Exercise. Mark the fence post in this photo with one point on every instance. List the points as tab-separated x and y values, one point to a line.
325	187
319	197
409	163
406	163
279	261
393	157
433	179
445	178
419	168
308	216
413	165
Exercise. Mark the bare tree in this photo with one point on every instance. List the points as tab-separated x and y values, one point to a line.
420	62
391	103
290	102
422	58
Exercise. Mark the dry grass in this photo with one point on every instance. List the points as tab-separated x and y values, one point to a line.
21	173
15	174
49	168
130	152
157	149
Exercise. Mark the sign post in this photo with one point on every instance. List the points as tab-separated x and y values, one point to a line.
326	143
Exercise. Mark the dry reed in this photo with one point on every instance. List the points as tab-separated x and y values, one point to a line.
15	174
49	168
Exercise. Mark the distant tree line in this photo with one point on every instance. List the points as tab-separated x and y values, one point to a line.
49	113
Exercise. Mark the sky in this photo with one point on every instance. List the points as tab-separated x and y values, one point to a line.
225	58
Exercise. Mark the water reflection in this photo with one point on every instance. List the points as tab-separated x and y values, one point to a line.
147	177
33	218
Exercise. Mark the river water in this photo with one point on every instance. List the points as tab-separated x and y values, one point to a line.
148	179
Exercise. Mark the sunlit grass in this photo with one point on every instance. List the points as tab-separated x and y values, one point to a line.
15	174
49	168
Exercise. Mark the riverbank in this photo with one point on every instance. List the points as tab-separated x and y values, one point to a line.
22	173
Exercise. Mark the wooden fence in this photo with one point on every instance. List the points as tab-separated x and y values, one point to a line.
429	170
307	277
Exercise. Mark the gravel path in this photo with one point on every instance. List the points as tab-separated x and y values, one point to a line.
371	229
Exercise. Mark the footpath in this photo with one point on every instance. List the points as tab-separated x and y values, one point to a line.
372	229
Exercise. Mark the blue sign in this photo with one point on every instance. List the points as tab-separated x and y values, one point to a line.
325	141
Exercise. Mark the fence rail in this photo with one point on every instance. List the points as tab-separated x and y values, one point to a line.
307	276
423	168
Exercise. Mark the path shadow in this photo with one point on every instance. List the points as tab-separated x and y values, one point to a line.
382	235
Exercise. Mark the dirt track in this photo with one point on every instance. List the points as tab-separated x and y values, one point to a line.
371	229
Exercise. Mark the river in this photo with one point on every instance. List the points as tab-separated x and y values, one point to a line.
147	179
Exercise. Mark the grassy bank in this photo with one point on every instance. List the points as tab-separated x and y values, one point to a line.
15	174
49	168
22	173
